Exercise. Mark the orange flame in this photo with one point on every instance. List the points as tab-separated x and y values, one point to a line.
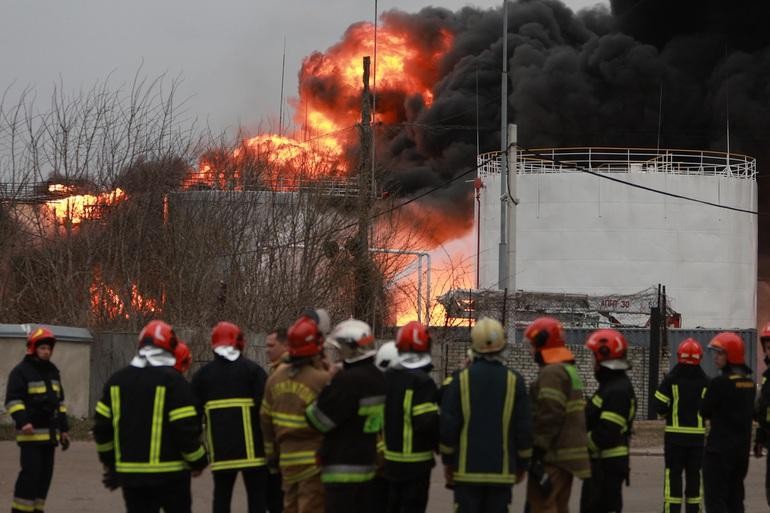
79	207
105	301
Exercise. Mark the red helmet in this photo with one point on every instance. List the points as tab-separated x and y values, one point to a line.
413	337
546	335
183	357
40	336
304	338
227	334
609	347
765	333
158	334
732	344
689	352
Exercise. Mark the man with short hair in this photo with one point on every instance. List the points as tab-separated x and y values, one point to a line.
276	350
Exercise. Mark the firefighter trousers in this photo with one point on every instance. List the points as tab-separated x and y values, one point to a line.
723	476
348	497
306	496
472	498
558	500
767	478
409	496
274	497
171	494
688	460
255	481
34	478
603	492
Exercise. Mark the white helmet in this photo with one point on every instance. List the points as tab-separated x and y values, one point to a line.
387	356
354	339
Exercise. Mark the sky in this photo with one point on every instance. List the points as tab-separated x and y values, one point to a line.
226	54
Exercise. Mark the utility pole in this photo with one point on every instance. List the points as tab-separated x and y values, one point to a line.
502	276
363	307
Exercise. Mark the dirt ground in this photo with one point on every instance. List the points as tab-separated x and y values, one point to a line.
77	487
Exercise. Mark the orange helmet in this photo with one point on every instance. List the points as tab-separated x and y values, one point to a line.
609	347
546	335
304	338
40	336
158	334
227	334
413	337
689	352
732	344
183	357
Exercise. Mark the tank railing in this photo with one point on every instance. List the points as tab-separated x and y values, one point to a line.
626	160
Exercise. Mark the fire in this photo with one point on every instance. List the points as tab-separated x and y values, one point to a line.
105	301
76	208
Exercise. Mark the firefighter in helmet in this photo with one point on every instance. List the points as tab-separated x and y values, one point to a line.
728	405
349	412
147	429
559	423
183	358
411	421
35	400
290	443
609	417
678	401
229	390
762	409
485	426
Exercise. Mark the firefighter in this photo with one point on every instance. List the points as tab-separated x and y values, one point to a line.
485	426
35	400
762	409
558	417
229	391
609	418
678	401
411	422
728	405
289	442
183	357
147	430
276	350
349	412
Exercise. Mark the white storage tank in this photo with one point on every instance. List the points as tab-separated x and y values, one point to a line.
581	233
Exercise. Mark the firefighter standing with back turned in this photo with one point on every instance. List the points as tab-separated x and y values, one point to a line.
35	400
485	426
678	401
609	417
411	422
762	410
728	405
349	412
290	443
229	391
559	423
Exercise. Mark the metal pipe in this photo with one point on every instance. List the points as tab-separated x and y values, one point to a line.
502	255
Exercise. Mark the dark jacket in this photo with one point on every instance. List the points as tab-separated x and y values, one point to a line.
411	423
678	400
229	394
728	405
35	395
610	415
486	424
349	412
146	425
762	407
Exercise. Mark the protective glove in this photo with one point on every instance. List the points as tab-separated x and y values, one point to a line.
110	479
449	476
538	474
65	441
758	449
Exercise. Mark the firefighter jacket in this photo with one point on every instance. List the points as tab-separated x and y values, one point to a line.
229	395
610	415
411	423
349	412
678	400
35	395
287	436
559	421
486	424
762	407
728	405
146	426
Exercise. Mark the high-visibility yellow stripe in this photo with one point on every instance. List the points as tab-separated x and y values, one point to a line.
576	405
195	455
597	401
16	407
134	468
423	408
621	450
103	410
614	418
248	432
115	400
412	457
23	506
552	394
228	403
510	397
62	408
675	407
105	447
686	430
465	403
157	424
182	413
39	437
407	431
36	390
289	459
445	449
265	408
662	397
466	477
289	420
235	464
346	477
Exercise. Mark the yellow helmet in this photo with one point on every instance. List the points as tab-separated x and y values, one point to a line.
487	336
